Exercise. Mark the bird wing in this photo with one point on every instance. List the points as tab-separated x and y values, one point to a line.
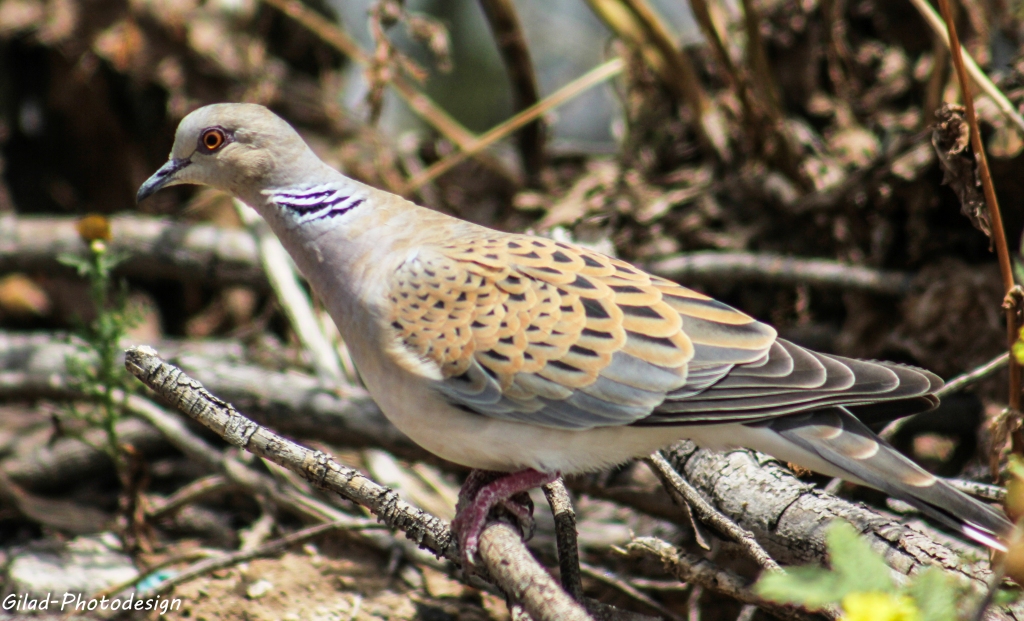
543	332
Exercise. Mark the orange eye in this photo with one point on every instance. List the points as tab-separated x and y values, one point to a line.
212	139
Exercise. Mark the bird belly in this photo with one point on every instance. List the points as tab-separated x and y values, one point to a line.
478	441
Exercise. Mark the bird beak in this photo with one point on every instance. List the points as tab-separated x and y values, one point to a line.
162	177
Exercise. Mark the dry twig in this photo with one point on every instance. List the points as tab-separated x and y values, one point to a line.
998	236
504	555
586	81
699	571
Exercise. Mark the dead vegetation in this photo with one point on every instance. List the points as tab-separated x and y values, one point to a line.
807	142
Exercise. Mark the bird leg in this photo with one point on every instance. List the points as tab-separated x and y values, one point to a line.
484	490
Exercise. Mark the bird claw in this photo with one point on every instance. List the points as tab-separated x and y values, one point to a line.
484	491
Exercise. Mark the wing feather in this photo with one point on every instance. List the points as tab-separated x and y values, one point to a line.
542	332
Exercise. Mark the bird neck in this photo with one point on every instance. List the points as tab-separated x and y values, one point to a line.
342	235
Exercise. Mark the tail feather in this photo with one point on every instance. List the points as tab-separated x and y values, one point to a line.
840	439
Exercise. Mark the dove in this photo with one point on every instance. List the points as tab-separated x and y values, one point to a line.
525	358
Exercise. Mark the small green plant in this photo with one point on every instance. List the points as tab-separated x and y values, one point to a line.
97	371
860	583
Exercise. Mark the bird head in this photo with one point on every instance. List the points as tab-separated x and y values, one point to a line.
237	148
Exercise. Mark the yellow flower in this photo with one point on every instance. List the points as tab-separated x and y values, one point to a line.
877	606
1018	347
92	228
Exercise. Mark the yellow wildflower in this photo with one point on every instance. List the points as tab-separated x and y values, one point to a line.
93	227
877	606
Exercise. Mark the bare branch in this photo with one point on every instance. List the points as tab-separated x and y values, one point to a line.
511	566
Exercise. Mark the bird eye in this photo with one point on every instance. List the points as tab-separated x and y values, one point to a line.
212	139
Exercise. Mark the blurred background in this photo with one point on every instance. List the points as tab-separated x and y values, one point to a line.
761	129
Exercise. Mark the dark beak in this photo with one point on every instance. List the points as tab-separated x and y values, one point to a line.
160	178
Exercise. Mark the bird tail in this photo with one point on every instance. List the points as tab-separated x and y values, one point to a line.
836	436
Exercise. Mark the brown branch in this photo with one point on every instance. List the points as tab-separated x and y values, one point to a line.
995	217
565	538
508	34
502	550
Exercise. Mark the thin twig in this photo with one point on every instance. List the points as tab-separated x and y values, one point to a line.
699	571
954	385
979	77
565	538
197	489
961	382
995	217
702	510
586	81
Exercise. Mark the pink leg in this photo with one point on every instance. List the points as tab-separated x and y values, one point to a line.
484	490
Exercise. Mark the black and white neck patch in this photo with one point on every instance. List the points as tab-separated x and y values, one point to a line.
308	204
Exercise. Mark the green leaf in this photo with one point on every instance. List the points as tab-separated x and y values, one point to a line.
810	586
935	594
1015	465
1006	597
858	566
81	265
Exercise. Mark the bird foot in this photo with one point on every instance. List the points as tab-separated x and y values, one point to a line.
482	492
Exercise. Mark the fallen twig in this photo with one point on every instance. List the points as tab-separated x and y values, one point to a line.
712	266
159	248
625	587
699	571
